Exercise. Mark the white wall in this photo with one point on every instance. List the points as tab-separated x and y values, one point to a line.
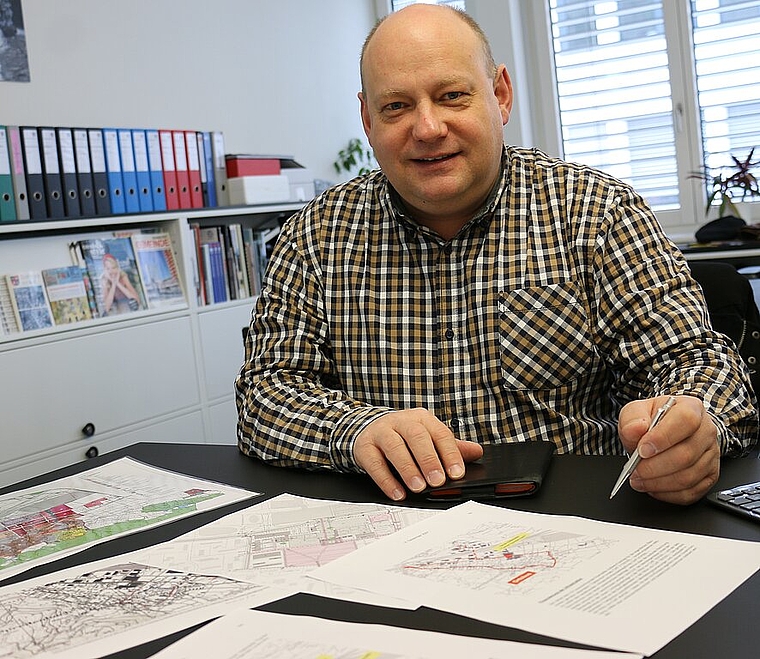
276	76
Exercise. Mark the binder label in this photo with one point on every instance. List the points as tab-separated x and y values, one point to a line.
167	150
50	151
111	141
5	160
82	151
127	157
141	151
154	150
97	152
32	152
179	152
192	153
66	145
18	157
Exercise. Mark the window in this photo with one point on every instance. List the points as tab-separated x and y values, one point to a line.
651	90
727	53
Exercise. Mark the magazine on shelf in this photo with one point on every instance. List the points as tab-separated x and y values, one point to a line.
67	294
114	276
29	300
158	270
8	322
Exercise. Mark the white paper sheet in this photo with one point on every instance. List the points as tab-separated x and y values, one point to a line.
600	584
96	609
46	522
278	542
258	635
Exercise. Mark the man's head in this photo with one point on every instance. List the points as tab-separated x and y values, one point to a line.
433	105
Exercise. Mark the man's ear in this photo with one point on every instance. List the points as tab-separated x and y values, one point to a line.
364	110
502	89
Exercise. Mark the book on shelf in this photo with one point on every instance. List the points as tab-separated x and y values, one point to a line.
158	270
214	269
252	260
230	260
113	274
67	294
29	300
236	262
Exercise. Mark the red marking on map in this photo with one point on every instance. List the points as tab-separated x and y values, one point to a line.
521	577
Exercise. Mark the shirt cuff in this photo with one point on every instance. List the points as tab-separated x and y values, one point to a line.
730	445
345	432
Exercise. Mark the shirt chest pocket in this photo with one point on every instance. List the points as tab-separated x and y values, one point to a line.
544	337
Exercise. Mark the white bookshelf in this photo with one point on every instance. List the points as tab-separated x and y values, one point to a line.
160	375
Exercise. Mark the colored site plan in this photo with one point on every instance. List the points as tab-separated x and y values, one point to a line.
47	522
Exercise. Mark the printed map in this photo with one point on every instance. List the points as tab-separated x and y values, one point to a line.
47	522
507	559
276	542
89	606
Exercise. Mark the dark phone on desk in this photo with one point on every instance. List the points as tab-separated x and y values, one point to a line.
506	470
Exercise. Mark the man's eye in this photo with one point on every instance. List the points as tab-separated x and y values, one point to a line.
394	107
453	96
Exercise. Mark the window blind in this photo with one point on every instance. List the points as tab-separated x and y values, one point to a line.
726	37
613	86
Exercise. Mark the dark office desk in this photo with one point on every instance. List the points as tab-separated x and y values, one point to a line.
575	485
739	253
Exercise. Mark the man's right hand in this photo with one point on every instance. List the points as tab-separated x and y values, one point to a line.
421	448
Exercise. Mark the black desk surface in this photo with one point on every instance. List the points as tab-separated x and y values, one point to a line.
576	485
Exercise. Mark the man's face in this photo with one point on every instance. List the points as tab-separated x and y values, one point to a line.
433	114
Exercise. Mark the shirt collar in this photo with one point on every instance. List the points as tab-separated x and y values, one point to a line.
482	216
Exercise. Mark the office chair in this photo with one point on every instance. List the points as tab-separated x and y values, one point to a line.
732	309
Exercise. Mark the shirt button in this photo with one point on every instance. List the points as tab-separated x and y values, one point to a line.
449	333
447	249
454	423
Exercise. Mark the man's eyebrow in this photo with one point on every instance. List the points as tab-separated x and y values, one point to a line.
390	93
449	81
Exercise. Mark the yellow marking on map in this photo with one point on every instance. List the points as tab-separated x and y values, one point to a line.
71	534
511	541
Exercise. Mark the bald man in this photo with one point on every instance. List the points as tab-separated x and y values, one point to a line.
469	292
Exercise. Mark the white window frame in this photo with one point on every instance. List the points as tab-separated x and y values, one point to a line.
680	223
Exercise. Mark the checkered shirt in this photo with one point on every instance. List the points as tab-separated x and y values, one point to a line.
558	303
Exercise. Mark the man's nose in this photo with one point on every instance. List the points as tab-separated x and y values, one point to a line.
429	124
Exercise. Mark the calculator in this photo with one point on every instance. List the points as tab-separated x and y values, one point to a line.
741	499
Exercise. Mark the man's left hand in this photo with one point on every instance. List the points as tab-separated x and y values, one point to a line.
680	455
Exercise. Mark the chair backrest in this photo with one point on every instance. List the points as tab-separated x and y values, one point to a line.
732	309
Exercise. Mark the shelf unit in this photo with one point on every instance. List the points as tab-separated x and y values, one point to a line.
74	391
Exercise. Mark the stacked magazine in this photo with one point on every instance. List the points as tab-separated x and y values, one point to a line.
110	275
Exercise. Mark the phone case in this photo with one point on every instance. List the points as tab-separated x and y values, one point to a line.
509	469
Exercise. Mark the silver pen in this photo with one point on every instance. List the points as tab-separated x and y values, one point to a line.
635	458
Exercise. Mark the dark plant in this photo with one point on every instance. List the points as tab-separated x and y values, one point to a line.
354	156
736	184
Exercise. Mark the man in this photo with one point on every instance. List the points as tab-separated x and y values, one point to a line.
470	293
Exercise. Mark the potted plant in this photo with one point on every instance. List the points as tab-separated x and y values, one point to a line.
727	185
355	159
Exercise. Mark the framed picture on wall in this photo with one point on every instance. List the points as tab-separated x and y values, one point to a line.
14	61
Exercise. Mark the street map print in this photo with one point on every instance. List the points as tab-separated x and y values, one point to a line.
122	604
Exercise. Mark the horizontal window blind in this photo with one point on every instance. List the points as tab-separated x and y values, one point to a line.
726	37
614	92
